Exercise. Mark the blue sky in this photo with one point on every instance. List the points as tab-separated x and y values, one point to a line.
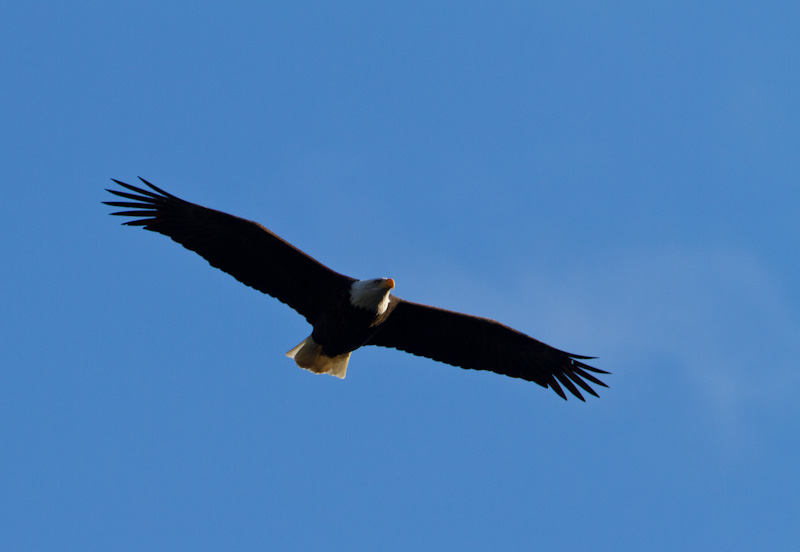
620	180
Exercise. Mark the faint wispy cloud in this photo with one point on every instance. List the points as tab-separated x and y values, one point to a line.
718	315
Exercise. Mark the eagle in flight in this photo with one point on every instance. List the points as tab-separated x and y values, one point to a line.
346	313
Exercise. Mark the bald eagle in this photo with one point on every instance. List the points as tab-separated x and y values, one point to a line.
346	313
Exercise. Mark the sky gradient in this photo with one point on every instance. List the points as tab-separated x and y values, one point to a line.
620	181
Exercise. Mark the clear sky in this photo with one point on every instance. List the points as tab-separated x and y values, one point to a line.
619	179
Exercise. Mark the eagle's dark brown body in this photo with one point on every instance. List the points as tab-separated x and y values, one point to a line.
342	328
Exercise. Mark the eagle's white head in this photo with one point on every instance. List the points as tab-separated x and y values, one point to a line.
372	295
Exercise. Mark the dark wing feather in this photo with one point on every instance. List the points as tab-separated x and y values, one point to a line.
242	248
482	344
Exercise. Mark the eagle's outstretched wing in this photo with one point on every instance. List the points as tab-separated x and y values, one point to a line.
482	344
242	248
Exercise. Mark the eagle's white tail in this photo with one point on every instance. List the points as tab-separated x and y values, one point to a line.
309	356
